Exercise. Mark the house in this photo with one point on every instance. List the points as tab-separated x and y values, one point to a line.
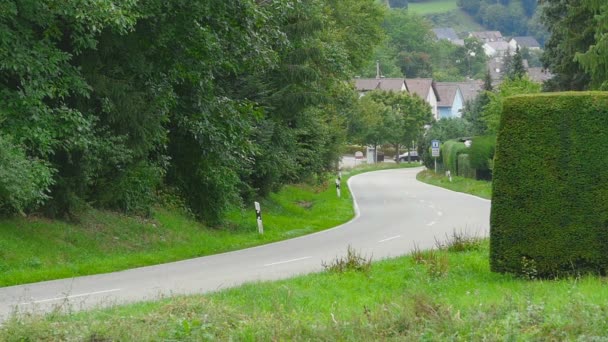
447	33
497	48
470	89
426	89
363	85
539	75
524	42
487	36
450	101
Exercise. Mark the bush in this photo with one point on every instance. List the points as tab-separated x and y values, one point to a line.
449	152
353	261
464	166
24	182
481	155
550	189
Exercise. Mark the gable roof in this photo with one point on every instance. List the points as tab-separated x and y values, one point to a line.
470	89
447	33
421	87
388	84
447	92
526	41
487	35
499	45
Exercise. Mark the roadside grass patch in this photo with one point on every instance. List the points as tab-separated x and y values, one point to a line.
474	187
353	261
398	299
35	249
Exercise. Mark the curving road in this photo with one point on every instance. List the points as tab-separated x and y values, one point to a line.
394	212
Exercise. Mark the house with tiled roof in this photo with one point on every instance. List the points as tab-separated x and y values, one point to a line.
487	36
450	100
424	88
363	85
497	48
524	42
470	89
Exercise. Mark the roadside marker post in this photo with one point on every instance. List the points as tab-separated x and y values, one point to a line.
258	214
338	187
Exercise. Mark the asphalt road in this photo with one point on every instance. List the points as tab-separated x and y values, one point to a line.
394	213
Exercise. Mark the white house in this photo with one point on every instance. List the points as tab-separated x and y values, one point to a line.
450	101
497	48
425	89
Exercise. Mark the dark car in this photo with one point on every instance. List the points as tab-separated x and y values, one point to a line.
413	155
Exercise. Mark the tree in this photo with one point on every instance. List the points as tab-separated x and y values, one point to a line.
516	69
572	28
493	110
594	60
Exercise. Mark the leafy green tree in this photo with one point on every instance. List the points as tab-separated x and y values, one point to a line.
594	59
493	110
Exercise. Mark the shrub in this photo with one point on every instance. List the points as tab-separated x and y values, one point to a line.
550	189
481	155
24	182
450	151
353	261
464	166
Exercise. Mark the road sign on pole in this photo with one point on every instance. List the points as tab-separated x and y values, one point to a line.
435	148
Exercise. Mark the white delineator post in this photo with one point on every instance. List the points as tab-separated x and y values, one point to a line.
338	186
258	214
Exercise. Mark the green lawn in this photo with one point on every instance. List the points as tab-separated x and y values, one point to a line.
478	188
431	7
36	249
429	296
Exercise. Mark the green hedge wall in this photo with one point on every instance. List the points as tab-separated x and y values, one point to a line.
464	166
550	191
482	155
449	153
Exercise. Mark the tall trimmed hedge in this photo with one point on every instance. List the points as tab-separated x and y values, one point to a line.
449	152
550	199
482	155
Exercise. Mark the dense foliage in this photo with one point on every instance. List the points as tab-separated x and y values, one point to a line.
550	192
510	17
105	101
390	118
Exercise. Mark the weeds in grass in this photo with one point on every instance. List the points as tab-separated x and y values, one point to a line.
353	261
436	261
460	241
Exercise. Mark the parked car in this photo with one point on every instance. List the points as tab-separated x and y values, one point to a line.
413	155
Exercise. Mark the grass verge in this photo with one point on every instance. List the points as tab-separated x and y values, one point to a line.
474	187
431	295
36	249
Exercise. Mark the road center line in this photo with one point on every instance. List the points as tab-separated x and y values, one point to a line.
391	238
286	261
70	297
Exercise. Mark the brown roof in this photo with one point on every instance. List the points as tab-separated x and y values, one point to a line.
388	84
487	35
447	93
470	89
420	86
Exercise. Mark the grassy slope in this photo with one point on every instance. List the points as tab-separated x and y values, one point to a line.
443	296
435	6
481	189
36	249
